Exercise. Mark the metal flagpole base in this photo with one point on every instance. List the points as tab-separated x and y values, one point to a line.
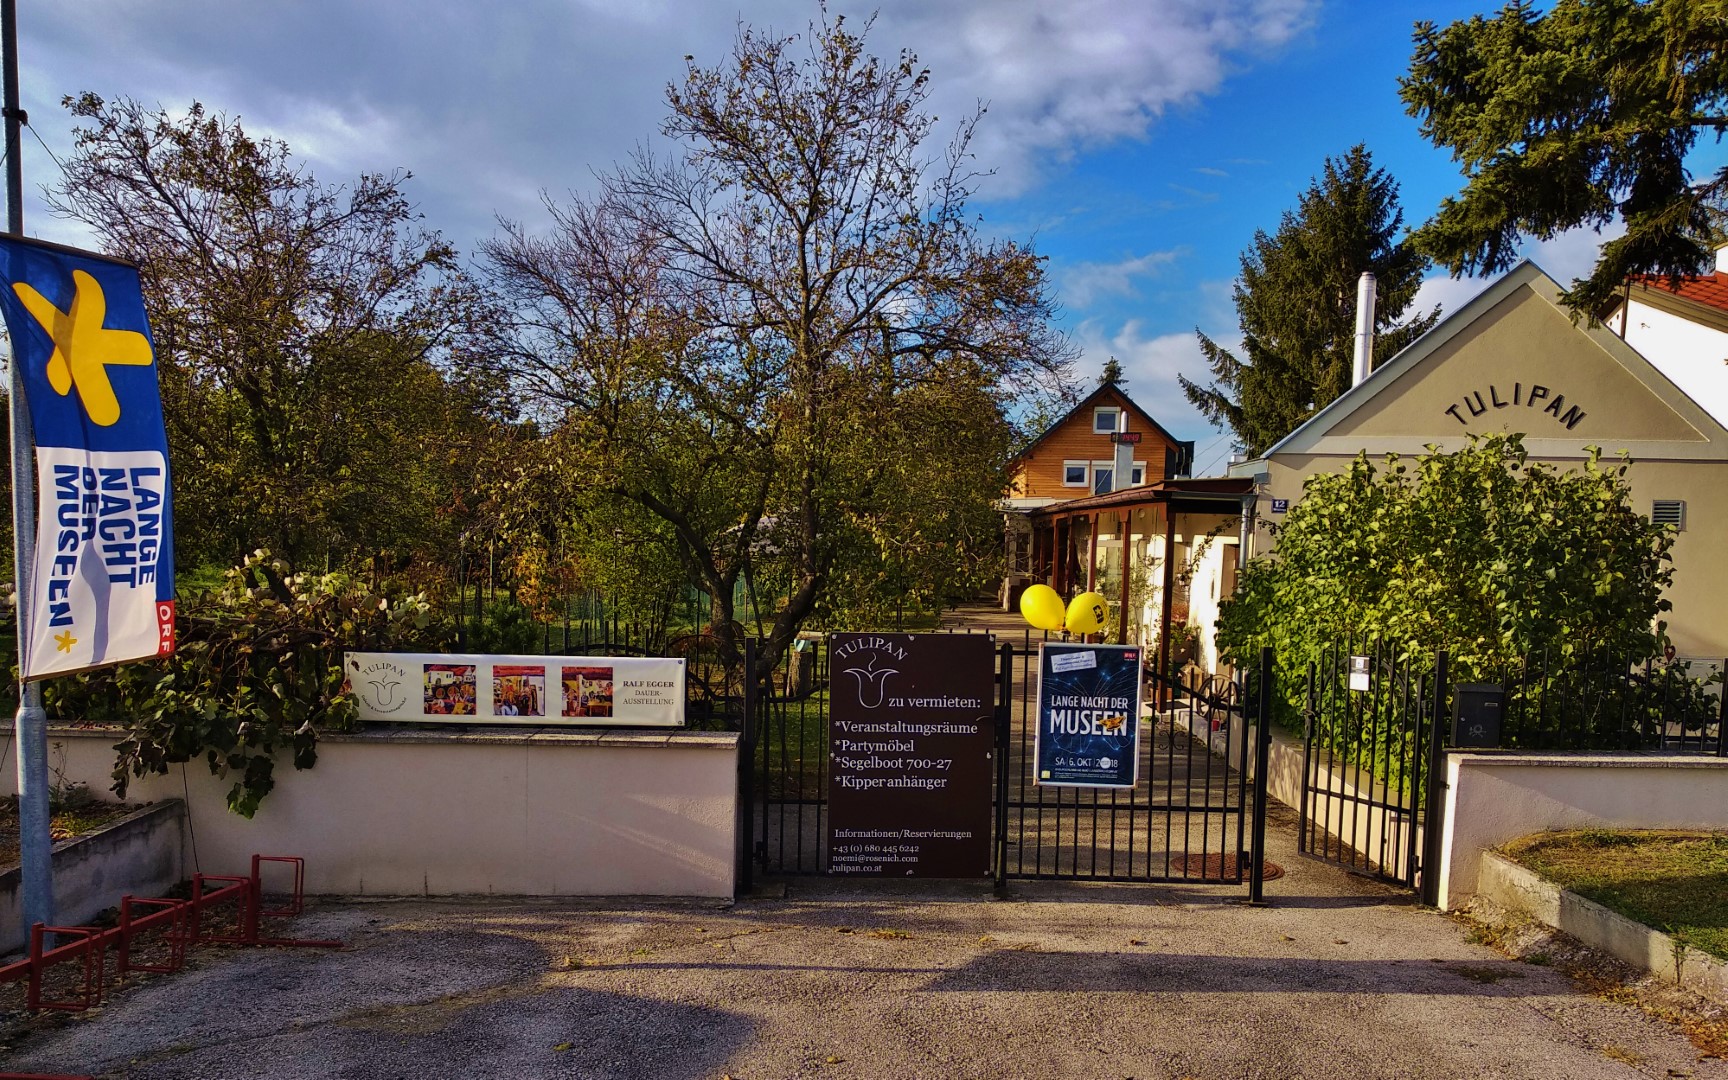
36	848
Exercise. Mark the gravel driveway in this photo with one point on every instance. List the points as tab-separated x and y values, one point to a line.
1338	979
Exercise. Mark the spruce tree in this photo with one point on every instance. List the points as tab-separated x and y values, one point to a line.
1576	117
1296	304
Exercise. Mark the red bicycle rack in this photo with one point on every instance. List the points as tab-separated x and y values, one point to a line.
182	923
177	934
88	944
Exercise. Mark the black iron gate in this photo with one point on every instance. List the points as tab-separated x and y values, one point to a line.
1191	818
1195	816
1372	734
1378	722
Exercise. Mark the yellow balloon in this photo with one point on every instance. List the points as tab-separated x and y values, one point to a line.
1087	613
1042	607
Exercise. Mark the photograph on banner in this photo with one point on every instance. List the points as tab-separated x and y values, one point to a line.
588	690
102	581
519	689
1088	732
450	689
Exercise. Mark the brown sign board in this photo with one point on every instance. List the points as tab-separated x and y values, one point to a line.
910	736
1126	437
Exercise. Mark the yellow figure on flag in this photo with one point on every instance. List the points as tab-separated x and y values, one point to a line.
83	347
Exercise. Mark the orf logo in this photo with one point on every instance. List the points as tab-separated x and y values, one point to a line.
165	628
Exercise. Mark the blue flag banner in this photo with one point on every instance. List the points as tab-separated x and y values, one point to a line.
1088	731
103	588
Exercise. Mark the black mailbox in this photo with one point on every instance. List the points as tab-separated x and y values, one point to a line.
1476	712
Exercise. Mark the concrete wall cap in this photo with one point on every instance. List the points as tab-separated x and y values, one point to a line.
471	734
1584	760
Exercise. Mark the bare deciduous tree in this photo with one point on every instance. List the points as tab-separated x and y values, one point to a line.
786	339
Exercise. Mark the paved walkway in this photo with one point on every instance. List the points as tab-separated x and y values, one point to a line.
1340	978
987	619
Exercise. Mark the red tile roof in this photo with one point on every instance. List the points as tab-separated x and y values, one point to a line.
1711	290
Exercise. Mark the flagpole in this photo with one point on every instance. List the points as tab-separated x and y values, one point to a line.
32	723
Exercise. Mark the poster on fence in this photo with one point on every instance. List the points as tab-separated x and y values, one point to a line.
543	691
911	732
1088	731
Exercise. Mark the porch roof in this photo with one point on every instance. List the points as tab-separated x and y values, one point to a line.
1206	495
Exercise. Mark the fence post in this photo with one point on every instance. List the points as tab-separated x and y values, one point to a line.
1262	759
747	773
1434	814
1722	714
1004	721
1309	722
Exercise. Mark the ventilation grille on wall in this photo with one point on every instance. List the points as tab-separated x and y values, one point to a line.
1669	512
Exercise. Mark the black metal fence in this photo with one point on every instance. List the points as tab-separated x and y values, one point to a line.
1375	731
1186	820
1370	740
1595	701
1195	815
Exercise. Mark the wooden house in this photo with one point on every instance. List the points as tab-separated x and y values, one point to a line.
1077	456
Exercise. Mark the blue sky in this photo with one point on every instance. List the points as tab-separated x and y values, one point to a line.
1140	143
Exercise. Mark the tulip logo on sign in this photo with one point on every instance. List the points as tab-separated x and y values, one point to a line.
872	683
380	684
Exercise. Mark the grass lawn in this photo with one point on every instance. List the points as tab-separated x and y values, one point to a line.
1676	882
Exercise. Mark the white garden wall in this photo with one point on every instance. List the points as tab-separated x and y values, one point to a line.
417	812
1494	798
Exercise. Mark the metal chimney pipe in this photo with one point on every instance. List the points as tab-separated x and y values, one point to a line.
1364	328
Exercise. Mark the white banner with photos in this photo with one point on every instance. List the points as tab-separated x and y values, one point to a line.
541	691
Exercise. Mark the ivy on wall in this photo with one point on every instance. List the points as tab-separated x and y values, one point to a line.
257	673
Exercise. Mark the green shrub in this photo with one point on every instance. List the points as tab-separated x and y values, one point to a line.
1478	551
257	671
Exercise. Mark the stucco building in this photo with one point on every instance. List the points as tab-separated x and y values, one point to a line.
1513	360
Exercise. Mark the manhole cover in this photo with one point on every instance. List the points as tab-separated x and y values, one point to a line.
1220	868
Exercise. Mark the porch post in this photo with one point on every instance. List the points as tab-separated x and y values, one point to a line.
1070	560
1169	589
1092	553
1127	546
1058	555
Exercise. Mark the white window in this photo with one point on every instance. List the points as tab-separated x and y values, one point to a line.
1105	418
1138	475
1669	512
1103	477
1073	474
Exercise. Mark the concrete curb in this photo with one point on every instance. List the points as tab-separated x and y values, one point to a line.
1519	888
140	853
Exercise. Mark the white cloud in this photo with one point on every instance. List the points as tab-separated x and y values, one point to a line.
1216	313
1085	282
325	135
487	104
1572	253
1062	76
1449	292
1150	363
